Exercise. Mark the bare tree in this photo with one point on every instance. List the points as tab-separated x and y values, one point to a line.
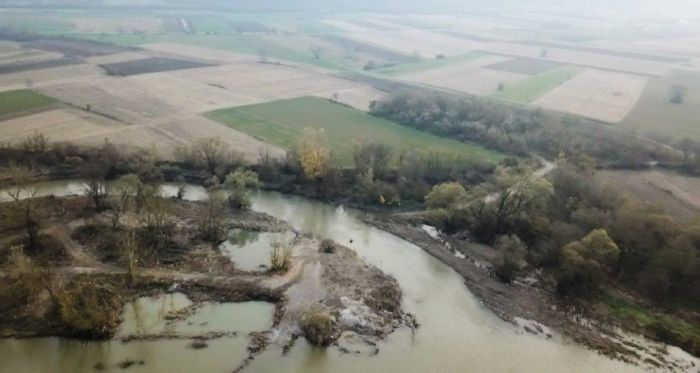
126	187
22	194
212	216
130	249
213	151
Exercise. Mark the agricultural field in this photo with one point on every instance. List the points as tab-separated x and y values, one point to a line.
23	65
149	65
588	59
282	123
655	114
411	41
531	88
528	66
675	193
13	102
429	64
596	94
117	24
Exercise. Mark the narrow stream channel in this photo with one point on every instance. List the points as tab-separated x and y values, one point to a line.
457	333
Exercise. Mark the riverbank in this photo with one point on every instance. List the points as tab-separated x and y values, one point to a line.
530	302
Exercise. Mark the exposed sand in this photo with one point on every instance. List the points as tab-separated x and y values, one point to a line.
602	95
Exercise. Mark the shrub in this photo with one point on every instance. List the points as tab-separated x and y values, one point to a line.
89	310
327	246
280	258
446	195
512	259
318	327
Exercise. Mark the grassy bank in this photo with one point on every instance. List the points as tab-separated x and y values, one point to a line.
653	323
282	123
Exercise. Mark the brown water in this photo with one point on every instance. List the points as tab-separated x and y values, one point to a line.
249	250
457	333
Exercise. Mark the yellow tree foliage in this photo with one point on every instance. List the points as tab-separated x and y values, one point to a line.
314	153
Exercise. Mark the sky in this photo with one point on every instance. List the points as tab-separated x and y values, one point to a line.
674	8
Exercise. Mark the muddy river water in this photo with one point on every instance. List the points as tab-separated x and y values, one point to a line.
456	334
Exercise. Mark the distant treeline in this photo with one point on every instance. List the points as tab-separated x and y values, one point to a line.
515	130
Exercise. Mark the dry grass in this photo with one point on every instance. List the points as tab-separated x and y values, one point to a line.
602	95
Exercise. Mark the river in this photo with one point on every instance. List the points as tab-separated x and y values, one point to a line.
456	334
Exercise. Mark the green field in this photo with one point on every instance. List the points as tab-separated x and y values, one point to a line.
282	123
427	64
532	88
654	113
16	101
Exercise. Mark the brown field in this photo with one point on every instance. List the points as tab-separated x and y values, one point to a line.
359	97
185	129
408	40
41	78
24	56
529	66
117	57
58	124
452	22
37	65
480	81
76	47
606	62
198	97
112	98
8	46
149	65
468	77
602	95
679	195
78	126
110	25
205	54
689	46
268	82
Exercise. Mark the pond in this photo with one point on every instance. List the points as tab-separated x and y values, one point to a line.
457	333
250	251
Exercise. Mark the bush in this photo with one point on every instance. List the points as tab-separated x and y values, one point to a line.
446	195
512	260
327	246
280	258
318	327
89	310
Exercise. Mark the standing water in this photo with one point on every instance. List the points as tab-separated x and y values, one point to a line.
456	334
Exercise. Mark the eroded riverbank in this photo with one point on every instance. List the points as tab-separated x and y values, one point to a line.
531	304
